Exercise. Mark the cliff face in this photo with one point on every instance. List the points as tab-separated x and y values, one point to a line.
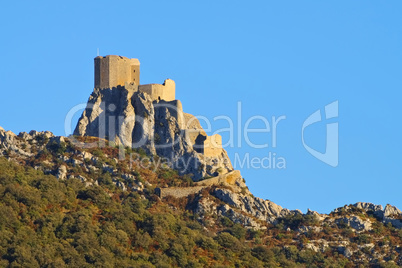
132	119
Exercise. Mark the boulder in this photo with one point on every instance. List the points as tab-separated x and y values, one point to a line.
355	222
62	172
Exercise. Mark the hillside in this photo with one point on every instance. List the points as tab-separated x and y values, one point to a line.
65	205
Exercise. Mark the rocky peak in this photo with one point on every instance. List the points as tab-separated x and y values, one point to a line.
133	119
390	211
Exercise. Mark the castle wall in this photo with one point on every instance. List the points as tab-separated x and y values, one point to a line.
210	146
213	146
112	71
191	137
192	131
160	92
135	71
195	135
169	89
153	90
229	179
178	192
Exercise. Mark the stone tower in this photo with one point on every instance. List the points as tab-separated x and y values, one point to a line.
112	71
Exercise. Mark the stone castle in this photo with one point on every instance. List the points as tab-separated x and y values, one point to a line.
117	72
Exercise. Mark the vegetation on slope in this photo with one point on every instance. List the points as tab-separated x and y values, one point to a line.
46	222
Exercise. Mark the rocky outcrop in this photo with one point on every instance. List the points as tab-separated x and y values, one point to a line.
391	211
355	222
62	172
318	216
368	206
105	114
390	214
241	208
264	210
133	119
21	145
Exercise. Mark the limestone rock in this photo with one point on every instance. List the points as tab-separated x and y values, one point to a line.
261	209
82	178
391	211
143	133
134	119
306	229
390	214
86	155
356	223
345	251
62	172
236	217
108	115
11	144
319	217
120	185
41	134
368	206
204	206
58	140
397	223
228	197
312	247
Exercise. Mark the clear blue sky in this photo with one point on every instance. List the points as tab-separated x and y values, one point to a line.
278	58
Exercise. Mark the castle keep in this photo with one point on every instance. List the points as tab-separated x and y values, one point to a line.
114	71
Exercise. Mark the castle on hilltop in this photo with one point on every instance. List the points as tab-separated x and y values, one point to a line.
114	71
